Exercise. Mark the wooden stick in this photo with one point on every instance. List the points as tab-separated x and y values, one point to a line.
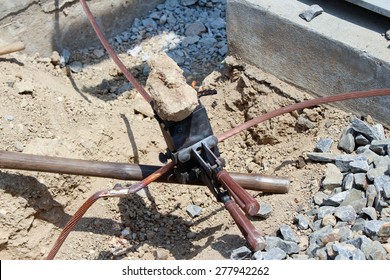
13	47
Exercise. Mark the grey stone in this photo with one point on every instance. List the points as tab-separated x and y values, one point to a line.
299	257
9	118
311	12
149	23
316	225
371	193
370	212
316	236
321	157
336	199
382	184
304	123
76	66
384	231
347	251
242	253
194	210
353	195
333	177
365	151
288	234
98	53
188	2
347	140
323	145
380	131
322	254
345	213
325	210
195	28
345	233
376	251
360	181
385	213
343	161
348	182
190	40
361	140
265	211
328	220
358	166
365	129
18	146
64	58
218	23
371	228
380	146
287	246
319	198
302	222
273	254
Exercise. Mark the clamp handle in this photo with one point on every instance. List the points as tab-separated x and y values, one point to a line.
254	238
246	202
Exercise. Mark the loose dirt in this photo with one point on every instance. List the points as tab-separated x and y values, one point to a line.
94	115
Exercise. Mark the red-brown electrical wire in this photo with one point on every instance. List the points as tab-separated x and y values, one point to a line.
113	55
116	192
303	105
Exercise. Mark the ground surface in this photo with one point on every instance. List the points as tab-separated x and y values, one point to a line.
87	115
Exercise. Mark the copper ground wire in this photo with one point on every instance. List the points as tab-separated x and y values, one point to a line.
303	105
118	191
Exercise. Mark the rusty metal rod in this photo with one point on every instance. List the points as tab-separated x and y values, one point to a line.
125	171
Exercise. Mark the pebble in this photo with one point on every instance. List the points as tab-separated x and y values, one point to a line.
194	210
18	146
333	177
345	213
9	118
311	12
370	212
302	222
76	66
288	234
242	253
365	129
98	53
347	140
323	145
288	247
64	58
348	182
265	211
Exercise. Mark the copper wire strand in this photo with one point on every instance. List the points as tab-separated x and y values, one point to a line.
116	192
302	105
113	55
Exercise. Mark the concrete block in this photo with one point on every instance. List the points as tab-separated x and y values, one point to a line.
342	50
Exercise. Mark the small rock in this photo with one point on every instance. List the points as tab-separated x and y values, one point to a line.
161	254
348	182
322	157
142	107
264	211
376	251
345	213
149	23
360	181
304	124
312	12
18	146
195	28
287	246
365	129
218	23
319	198
64	58
194	210
323	145
371	228
188	2
24	86
358	166
9	118
302	222
325	210
371	193
387	35
347	140
345	233
382	184
76	66
55	58
275	254
98	53
336	199
333	177
360	140
343	162
191	235
288	234
348	252
316	236
125	232
370	212
329	220
242	253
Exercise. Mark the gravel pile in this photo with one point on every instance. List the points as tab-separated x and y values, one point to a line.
350	217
